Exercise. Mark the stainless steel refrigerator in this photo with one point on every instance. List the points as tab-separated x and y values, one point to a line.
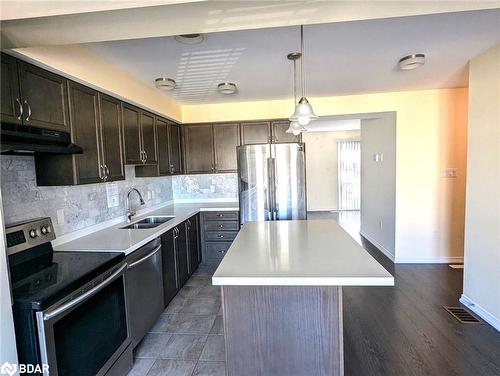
272	182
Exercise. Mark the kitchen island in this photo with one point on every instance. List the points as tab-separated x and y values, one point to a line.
282	296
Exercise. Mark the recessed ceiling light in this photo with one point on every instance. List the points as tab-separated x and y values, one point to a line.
165	83
411	61
189	38
226	88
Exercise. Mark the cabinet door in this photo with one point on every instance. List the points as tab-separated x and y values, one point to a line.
181	246
170	275
162	129
194	245
148	137
84	116
175	148
198	148
226	139
45	97
256	132
131	134
10	108
111	137
279	135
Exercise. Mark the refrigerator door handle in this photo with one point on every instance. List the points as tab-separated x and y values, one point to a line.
271	173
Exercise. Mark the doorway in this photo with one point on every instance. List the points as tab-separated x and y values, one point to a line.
349	175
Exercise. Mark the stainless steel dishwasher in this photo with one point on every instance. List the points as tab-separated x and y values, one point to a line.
144	289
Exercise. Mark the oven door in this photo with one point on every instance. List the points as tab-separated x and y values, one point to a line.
85	333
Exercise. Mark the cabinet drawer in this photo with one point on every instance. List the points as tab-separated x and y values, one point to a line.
220	235
216	251
222	225
220	216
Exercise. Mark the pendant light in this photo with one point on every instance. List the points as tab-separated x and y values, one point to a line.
294	126
303	110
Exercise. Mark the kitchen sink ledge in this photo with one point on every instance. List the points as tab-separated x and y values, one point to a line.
117	239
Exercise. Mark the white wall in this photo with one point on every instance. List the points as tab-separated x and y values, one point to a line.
8	351
322	169
378	182
482	220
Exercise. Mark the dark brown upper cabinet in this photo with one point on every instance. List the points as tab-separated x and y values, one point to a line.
175	139
132	134
162	134
44	97
255	132
95	123
198	148
139	136
33	96
226	139
168	146
111	137
148	135
278	132
11	110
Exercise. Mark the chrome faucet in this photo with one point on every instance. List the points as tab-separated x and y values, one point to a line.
131	213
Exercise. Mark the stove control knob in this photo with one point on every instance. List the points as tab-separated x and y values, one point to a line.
45	230
33	234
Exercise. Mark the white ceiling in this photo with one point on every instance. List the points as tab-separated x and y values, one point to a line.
341	58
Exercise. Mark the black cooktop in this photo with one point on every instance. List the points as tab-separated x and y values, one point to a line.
39	282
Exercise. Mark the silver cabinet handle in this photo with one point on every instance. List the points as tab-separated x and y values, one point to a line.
221	236
145	156
29	110
141	260
221	251
221	226
106	169
57	311
102	173
20	117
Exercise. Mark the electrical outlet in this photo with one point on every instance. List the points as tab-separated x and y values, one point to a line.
380	224
449	173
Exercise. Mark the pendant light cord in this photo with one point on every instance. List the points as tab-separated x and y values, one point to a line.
302	76
294	82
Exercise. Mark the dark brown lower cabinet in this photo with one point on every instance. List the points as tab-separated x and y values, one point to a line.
218	230
180	250
193	243
169	259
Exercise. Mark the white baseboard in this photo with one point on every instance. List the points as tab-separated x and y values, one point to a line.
480	311
429	260
384	250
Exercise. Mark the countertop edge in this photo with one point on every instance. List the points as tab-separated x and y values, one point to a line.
303	281
179	218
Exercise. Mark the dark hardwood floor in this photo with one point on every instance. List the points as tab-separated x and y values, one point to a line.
404	330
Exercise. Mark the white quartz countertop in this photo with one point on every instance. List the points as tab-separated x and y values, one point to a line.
117	239
298	253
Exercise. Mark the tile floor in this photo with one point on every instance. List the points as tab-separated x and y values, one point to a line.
188	338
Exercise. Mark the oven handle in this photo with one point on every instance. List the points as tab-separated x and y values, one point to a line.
57	311
141	260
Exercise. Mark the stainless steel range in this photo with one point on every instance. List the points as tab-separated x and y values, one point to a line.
69	307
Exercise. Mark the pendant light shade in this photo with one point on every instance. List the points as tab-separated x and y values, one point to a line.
295	128
304	112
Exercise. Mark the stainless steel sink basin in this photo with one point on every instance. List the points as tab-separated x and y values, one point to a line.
148	222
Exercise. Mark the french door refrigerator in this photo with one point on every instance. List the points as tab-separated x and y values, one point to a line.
272	182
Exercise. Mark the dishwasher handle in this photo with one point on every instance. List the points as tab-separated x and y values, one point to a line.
141	260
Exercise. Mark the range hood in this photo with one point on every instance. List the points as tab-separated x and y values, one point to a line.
21	139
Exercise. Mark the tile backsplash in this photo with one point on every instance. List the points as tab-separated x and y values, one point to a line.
76	207
70	207
202	187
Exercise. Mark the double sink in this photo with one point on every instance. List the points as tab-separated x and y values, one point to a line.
148	222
